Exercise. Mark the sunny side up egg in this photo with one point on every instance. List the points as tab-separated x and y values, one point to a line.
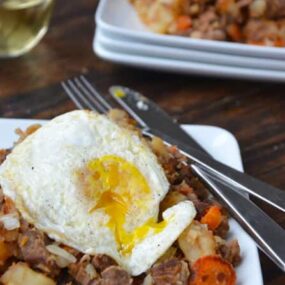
92	185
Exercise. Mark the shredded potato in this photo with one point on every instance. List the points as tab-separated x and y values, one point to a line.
23	134
159	15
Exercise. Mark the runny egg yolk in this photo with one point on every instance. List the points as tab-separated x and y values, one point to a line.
118	187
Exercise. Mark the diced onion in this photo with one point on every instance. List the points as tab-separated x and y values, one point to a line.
90	270
10	222
61	262
148	280
258	8
63	258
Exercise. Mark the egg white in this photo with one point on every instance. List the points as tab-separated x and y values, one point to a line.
40	177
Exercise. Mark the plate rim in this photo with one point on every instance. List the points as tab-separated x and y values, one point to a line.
147	49
193	68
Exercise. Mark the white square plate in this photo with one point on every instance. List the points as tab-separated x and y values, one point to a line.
108	50
120	45
219	143
119	18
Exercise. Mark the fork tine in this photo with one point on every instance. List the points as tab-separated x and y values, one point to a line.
85	96
95	93
88	96
76	95
69	92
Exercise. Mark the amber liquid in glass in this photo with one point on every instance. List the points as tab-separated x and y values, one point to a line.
22	24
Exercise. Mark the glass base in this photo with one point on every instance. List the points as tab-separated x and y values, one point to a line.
27	48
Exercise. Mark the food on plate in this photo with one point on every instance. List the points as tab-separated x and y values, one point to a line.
213	217
86	199
197	241
21	273
212	270
259	22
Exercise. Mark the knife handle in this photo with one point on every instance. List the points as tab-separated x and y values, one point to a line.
268	235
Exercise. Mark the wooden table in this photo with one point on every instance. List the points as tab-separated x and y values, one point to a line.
253	111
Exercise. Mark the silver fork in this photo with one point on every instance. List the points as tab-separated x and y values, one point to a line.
85	96
268	235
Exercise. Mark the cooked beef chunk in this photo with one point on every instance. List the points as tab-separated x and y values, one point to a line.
275	8
84	272
95	282
33	250
261	31
1	197
231	252
3	154
115	275
223	228
102	261
171	272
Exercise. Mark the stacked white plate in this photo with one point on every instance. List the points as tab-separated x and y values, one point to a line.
122	38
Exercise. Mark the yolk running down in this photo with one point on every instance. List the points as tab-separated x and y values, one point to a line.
119	188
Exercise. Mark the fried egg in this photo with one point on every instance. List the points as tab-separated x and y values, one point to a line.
92	185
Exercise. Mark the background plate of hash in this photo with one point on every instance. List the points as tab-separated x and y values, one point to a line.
120	20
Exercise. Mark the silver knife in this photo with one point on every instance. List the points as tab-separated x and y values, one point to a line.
159	123
139	106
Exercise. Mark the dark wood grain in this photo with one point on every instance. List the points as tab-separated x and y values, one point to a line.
253	111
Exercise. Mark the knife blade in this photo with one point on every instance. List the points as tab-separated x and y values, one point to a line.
157	122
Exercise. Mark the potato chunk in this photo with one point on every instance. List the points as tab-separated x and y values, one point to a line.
197	241
21	274
159	15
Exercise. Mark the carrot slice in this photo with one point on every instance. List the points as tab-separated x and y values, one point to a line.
212	218
183	23
213	270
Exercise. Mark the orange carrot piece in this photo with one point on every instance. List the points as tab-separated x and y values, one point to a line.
256	43
212	270
212	218
279	42
183	23
223	6
5	252
234	32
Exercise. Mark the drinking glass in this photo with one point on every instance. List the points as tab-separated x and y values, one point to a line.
23	23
